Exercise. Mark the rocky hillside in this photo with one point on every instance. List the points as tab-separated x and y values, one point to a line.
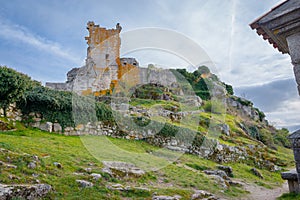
202	141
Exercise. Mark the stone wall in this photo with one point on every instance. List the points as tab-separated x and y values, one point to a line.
210	149
12	113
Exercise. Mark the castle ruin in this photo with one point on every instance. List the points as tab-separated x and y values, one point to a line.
104	68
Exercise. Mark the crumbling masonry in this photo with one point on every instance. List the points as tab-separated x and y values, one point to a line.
104	69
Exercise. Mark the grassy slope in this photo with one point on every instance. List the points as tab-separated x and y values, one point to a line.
175	178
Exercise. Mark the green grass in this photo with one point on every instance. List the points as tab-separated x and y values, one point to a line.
174	173
289	196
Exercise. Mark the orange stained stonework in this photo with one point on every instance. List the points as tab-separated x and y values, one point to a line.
98	35
104	47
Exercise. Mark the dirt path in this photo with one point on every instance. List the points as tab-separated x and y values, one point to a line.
261	193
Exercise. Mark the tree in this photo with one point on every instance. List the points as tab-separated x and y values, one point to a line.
229	89
12	86
203	70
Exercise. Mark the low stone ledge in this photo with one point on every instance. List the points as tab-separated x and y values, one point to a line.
290	175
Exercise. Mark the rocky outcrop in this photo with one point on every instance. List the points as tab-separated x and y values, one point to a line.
227	169
122	169
29	192
243	106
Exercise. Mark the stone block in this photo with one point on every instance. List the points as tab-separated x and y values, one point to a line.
47	126
292	178
69	129
79	127
57	128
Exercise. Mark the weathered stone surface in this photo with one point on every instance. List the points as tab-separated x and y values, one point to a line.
176	197
220	181
58	165
243	108
121	187
78	174
118	187
96	176
47	126
225	129
201	194
121	169
31	165
57	128
227	169
256	173
29	192
84	184
289	175
7	165
194	101
220	173
88	170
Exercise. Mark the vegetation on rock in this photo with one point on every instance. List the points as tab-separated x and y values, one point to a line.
13	86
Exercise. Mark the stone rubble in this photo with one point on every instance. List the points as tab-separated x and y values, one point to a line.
29	192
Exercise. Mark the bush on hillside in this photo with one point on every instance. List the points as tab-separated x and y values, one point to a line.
66	108
13	86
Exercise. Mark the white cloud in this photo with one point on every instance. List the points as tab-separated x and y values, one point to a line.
18	33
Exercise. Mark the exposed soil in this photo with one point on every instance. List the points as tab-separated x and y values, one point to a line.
261	193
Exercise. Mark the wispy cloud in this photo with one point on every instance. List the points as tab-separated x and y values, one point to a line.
18	33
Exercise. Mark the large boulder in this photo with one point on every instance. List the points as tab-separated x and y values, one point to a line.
29	192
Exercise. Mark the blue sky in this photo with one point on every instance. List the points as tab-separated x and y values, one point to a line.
45	39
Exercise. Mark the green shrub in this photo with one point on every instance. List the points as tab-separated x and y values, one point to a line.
196	83
260	114
13	86
281	138
229	89
214	106
197	167
66	108
243	101
168	130
149	91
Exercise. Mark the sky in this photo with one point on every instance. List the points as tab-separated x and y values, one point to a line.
45	39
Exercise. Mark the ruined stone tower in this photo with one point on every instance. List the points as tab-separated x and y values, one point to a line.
104	71
103	67
103	52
